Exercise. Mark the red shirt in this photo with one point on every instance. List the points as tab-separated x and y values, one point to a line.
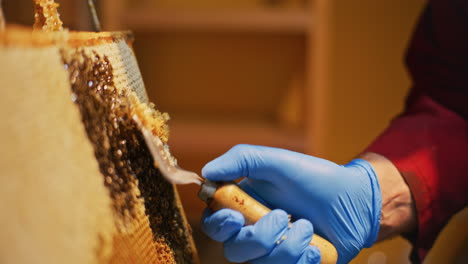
428	142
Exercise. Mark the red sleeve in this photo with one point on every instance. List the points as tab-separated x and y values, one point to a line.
428	143
429	146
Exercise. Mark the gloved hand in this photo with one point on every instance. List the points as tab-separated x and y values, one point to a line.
269	241
343	203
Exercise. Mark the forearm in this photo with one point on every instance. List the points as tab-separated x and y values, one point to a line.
398	209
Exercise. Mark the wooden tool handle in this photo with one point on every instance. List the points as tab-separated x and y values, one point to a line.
229	195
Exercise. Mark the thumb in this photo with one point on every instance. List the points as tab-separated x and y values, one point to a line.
230	166
254	162
240	161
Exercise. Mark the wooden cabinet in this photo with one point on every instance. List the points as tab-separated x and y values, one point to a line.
227	72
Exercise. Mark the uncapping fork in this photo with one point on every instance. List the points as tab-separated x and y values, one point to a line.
219	195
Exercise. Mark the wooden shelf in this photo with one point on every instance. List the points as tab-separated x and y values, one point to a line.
267	21
193	137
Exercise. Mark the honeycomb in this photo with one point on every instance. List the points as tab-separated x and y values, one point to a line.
124	160
95	178
75	94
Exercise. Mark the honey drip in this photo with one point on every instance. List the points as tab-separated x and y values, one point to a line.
124	160
46	16
2	18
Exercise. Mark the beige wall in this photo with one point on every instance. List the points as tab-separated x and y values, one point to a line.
359	71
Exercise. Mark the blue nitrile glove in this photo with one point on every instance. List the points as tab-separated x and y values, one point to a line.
343	203
272	240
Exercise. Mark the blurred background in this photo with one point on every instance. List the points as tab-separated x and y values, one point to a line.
323	77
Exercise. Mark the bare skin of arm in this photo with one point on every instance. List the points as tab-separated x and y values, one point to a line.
398	214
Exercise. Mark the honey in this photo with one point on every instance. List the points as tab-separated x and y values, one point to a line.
46	17
2	18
